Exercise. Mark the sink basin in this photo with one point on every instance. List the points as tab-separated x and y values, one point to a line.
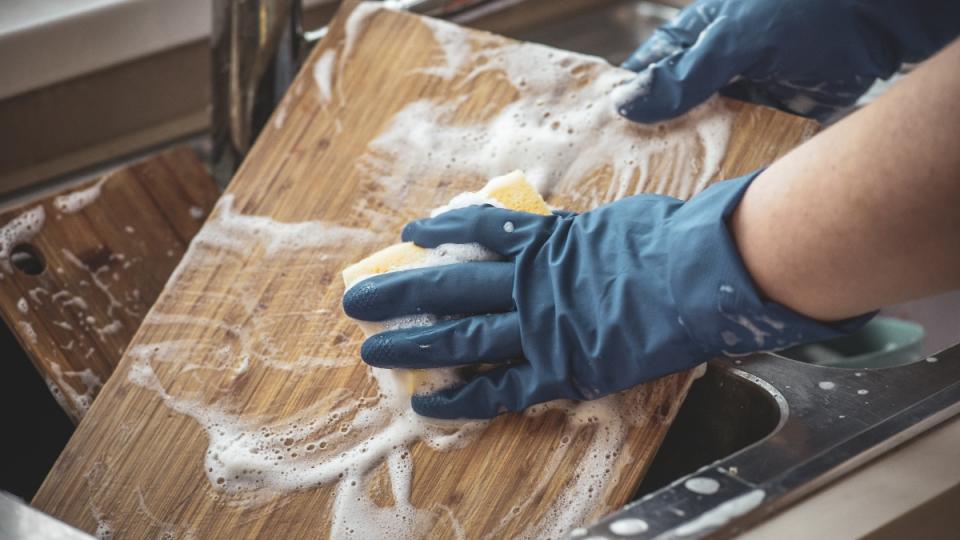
723	413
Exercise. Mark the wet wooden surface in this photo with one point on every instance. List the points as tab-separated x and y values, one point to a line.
99	267
235	338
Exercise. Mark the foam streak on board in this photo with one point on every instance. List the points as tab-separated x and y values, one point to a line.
552	139
323	75
77	200
79	401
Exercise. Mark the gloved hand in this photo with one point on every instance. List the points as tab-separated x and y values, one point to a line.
581	306
809	57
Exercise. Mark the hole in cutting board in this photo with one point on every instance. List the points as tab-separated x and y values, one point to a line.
27	259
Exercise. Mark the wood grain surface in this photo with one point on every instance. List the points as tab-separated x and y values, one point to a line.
103	266
248	337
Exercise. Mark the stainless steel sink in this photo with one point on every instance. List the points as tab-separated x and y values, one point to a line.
724	413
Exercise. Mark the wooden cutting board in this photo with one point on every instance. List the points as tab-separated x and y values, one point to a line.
248	341
100	258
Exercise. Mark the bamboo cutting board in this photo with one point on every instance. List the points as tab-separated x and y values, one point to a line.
247	350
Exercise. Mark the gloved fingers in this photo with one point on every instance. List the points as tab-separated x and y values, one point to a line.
505	232
685	79
670	38
480	339
453	289
504	389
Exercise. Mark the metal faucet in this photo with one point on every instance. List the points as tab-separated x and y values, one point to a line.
258	46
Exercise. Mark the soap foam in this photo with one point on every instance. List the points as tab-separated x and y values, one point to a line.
323	75
234	232
79	402
563	124
78	200
26	329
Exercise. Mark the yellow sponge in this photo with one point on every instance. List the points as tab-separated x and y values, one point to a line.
511	191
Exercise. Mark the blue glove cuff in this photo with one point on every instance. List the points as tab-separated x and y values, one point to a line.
717	301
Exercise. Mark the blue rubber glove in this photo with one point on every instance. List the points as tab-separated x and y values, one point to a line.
809	57
580	306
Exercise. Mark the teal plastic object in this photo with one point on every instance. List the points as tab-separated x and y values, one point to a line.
882	342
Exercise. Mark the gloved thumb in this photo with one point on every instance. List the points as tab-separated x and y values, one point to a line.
505	232
681	81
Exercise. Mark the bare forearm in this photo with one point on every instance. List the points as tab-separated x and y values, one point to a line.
867	213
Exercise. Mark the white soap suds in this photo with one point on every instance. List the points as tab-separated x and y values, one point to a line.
28	332
235	232
455	46
323	75
96	276
470	198
279	118
863	392
78	200
36	293
196	212
79	402
18	230
104	530
722	514
112	327
632	89
562	125
628	527
71	300
827	385
355	23
932	359
702	485
23	306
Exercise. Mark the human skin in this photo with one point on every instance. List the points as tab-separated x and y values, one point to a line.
867	213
